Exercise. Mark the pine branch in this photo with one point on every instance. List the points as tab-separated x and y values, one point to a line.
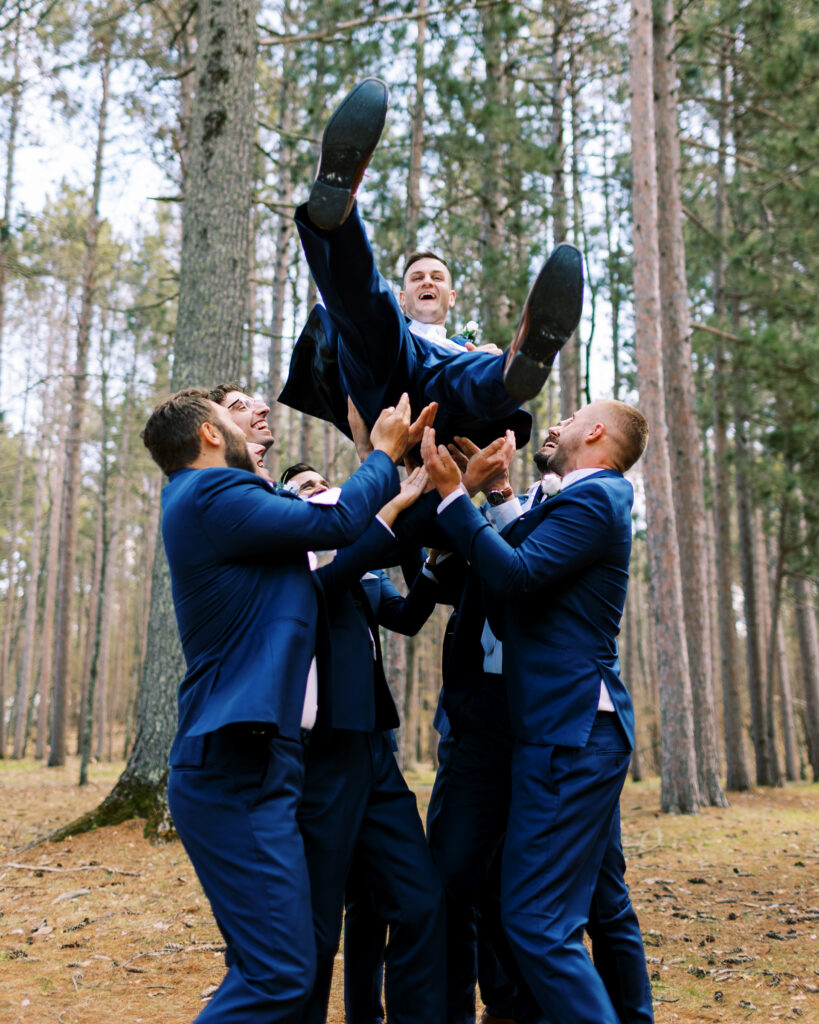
344	27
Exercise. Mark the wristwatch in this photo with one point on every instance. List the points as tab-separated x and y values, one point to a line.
498	497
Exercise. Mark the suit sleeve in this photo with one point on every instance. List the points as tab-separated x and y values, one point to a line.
350	564
575	534
244	519
406	615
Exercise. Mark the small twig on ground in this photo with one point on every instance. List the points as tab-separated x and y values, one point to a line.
84	867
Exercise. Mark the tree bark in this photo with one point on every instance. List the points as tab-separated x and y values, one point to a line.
680	790
416	135
15	101
738	778
805	612
686	466
569	358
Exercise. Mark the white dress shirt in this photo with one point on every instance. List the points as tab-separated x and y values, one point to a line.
435	333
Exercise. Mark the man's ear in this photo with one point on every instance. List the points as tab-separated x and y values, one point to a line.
210	436
451	298
401	300
596	431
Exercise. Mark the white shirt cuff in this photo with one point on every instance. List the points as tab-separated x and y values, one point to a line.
387	528
452	497
501	515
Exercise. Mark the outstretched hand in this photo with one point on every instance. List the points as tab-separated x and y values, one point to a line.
441	467
391	430
484	468
411	490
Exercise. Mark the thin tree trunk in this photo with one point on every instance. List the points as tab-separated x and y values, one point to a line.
569	358
110	575
770	591
282	253
686	466
416	134
680	790
766	774
22	699
806	630
738	778
10	604
792	772
73	481
14	101
495	311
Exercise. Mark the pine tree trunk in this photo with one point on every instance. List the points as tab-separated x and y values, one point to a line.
783	671
765	767
22	698
681	409
15	87
416	134
10	603
110	575
569	358
738	778
73	471
805	612
680	790
282	259
495	312
769	585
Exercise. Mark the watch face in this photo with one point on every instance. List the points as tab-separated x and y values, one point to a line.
495	497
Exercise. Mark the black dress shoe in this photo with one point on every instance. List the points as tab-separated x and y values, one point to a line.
550	314
351	135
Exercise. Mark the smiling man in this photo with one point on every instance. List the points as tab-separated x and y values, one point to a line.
366	345
249	413
252	629
553	587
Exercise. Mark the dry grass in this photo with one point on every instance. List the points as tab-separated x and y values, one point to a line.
107	928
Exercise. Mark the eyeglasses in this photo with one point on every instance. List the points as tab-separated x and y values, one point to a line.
246	404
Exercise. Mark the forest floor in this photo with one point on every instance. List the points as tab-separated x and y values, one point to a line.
107	928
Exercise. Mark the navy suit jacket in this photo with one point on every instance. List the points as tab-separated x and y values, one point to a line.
359	697
555	587
246	602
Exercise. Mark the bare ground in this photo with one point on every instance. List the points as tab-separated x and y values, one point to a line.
106	928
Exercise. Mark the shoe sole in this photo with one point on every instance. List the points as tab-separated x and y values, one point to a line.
351	135
542	338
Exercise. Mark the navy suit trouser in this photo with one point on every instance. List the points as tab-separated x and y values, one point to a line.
357	806
466	835
377	356
561	861
365	946
235	812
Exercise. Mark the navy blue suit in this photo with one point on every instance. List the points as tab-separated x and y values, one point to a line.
555	586
356	804
369	353
251	618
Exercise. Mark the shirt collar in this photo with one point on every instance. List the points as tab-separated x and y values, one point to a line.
436	334
579	474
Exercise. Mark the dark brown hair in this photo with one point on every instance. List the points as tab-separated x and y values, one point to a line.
171	434
219	392
424	254
295	469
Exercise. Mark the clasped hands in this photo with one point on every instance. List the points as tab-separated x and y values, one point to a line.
479	469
